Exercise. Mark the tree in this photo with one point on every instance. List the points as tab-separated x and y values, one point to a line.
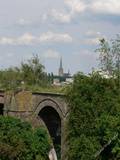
105	56
116	55
94	118
19	141
30	73
109	56
10	78
33	71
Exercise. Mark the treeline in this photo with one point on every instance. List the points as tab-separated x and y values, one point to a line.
30	74
94	105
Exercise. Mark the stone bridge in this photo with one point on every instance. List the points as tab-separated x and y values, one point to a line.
46	109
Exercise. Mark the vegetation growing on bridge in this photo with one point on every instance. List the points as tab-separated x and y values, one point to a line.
19	141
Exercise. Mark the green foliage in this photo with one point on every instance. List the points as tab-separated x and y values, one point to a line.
116	56
33	72
30	73
19	141
109	56
10	78
105	56
94	119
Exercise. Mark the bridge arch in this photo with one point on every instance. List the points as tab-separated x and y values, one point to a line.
49	102
51	114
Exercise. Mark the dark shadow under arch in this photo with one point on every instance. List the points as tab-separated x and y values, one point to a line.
1	108
52	120
49	102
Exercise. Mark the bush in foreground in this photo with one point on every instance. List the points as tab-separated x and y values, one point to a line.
18	141
94	119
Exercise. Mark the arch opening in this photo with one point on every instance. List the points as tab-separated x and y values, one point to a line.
1	108
52	120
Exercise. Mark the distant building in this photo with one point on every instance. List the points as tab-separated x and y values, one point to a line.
60	71
62	78
103	74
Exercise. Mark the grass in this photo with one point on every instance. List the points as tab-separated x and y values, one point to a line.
49	89
37	88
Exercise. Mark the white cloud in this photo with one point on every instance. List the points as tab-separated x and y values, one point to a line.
51	54
6	40
26	39
105	6
80	6
76	5
29	39
55	37
99	6
60	16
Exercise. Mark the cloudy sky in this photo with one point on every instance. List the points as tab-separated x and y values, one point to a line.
55	28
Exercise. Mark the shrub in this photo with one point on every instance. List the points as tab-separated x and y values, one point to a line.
18	141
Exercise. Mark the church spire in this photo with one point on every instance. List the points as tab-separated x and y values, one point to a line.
61	62
61	68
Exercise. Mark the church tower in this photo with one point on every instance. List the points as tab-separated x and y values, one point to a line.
61	68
